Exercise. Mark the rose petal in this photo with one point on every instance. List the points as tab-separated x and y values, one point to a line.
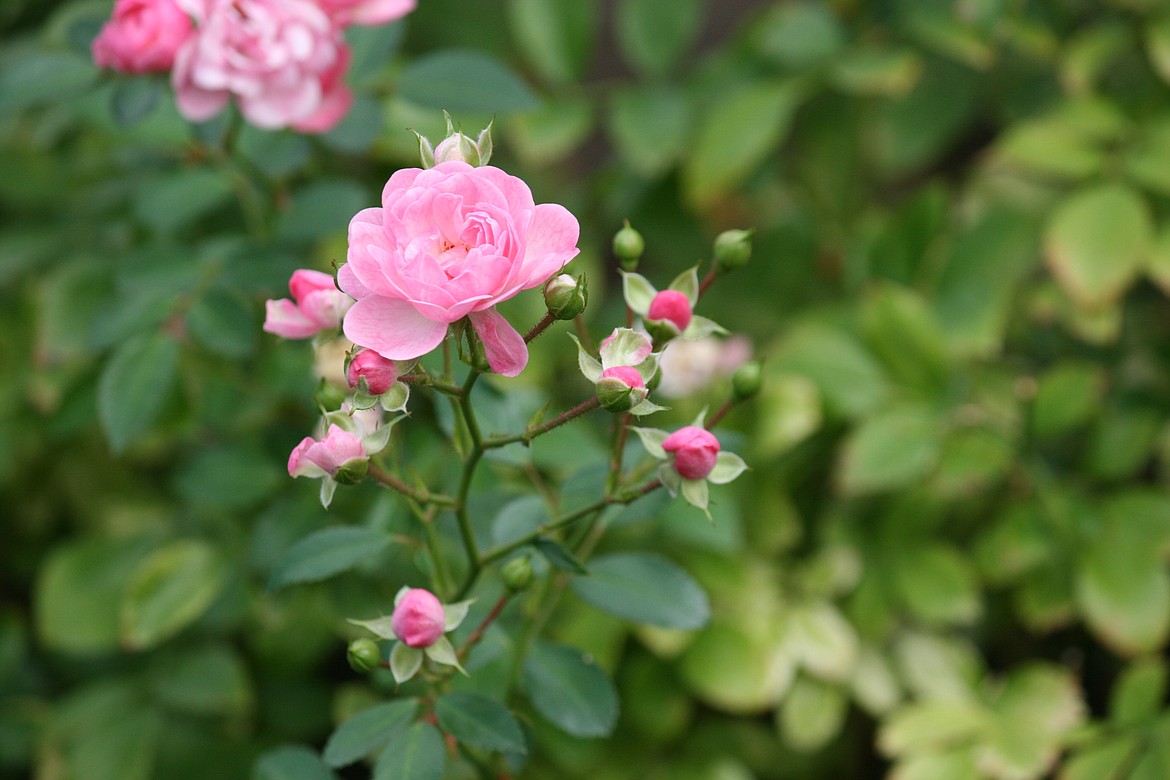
392	328
504	347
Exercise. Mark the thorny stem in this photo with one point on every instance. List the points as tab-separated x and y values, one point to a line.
708	280
423	379
532	433
719	414
423	497
620	433
477	634
540	327
465	531
625	497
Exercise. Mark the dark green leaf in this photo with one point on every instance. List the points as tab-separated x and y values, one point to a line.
203	681
644	588
799	35
134	98
171	202
134	385
462	80
480	723
890	450
291	762
558	556
369	730
169	590
416	753
224	322
650	126
323	207
654	34
326	553
556	36
569	690
1139	692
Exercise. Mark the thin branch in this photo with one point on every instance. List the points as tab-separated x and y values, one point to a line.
532	433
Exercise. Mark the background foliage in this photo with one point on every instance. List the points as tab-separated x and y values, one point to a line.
950	559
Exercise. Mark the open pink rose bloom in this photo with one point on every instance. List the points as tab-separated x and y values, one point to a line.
313	458
316	305
283	61
450	242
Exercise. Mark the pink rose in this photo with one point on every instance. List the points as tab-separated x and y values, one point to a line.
673	307
142	36
695	451
366	12
627	375
418	619
316	305
380	374
340	449
282	60
447	243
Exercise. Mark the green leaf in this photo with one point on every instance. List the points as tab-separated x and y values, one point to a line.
570	691
811	714
321	208
644	588
553	130
799	35
170	589
326	553
737	670
558	556
932	723
405	661
228	477
291	762
555	36
223	321
134	385
902	332
519	518
368	731
1067	395
937	584
822	640
1096	243
1050	147
1138	693
276	153
654	34
736	134
416	753
1158	46
1123	591
890	450
78	589
650	125
39	77
203	681
171	202
480	723
134	98
1100	761
864	71
463	80
848	377
121	748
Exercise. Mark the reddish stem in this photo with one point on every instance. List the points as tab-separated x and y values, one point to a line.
477	634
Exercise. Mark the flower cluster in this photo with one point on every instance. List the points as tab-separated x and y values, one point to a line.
419	625
282	61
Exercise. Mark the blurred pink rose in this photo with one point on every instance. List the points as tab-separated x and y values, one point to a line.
695	451
339	448
282	60
418	618
316	305
142	36
366	12
447	243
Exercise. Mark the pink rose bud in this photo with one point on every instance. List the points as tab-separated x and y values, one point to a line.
695	450
621	388
340	455
142	36
671	306
379	373
418	618
316	305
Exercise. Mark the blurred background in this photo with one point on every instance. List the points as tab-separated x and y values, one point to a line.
950	558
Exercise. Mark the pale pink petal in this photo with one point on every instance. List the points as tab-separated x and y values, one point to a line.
284	318
350	284
304	281
375	12
392	328
551	242
503	346
299	464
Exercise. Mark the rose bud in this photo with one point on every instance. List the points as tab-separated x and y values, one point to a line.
418	618
695	451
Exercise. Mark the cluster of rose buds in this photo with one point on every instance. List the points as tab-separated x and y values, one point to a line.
419	623
283	61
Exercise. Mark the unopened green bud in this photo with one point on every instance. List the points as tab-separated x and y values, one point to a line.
746	381
517	573
628	247
733	248
363	655
565	296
